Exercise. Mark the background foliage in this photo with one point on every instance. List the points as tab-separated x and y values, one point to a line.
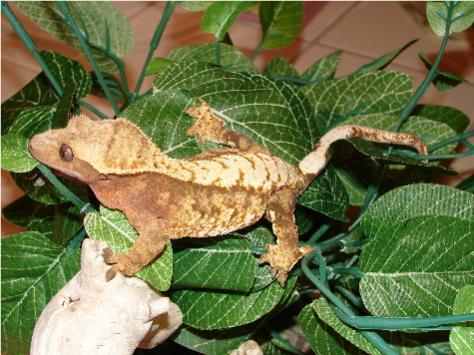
404	263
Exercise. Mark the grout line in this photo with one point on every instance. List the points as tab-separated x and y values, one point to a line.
334	22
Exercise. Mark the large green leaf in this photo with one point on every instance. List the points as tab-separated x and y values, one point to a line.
325	313
334	101
33	120
103	23
421	252
33	270
195	5
15	155
279	67
324	68
231	58
39	91
327	195
461	338
355	191
321	337
213	342
30	214
384	60
113	227
281	22
220	263
67	222
218	310
462	18
467	184
221	15
269	113
450	116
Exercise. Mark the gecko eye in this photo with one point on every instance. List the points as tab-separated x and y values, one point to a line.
66	153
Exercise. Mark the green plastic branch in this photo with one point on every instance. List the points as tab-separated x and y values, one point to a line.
169	8
67	18
376	340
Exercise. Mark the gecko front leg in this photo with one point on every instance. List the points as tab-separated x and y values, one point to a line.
146	248
287	252
209	127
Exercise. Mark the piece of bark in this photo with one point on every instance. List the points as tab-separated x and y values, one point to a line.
90	315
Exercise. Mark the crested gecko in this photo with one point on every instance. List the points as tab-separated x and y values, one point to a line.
211	194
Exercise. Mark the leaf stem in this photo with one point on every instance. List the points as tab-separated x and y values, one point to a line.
256	52
376	340
457	138
356	301
217	46
319	233
28	42
169	8
76	240
400	323
67	18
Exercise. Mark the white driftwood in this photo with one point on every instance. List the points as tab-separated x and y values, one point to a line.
90	315
249	347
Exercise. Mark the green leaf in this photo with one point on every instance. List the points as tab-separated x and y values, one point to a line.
461	338
34	269
220	264
281	22
27	213
457	120
355	191
269	113
112	83
327	195
15	155
321	337
33	120
39	91
221	15
421	251
384	60
217	310
325	313
36	186
195	5
444	80
334	101
157	65
231	58
462	18
467	184
67	222
113	227
102	22
279	67
324	68
213	342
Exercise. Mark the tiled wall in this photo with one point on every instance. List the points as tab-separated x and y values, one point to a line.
363	30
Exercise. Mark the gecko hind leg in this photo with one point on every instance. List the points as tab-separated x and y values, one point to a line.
209	127
146	248
286	252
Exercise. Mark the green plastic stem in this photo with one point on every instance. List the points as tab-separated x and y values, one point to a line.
319	233
28	42
457	138
71	196
376	340
356	301
93	109
67	17
169	8
76	240
399	323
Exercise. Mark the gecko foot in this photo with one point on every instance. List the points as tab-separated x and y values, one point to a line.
282	260
120	263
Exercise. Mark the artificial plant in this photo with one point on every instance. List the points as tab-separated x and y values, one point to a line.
393	277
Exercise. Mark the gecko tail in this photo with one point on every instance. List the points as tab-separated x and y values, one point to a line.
317	159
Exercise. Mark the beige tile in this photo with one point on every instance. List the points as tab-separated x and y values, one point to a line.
325	18
375	28
130	8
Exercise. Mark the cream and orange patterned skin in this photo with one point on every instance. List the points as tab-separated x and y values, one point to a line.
210	194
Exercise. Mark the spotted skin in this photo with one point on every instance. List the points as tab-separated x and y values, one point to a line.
207	195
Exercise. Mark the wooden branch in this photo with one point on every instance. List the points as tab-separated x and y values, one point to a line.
90	315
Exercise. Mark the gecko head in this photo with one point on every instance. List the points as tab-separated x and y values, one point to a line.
86	148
